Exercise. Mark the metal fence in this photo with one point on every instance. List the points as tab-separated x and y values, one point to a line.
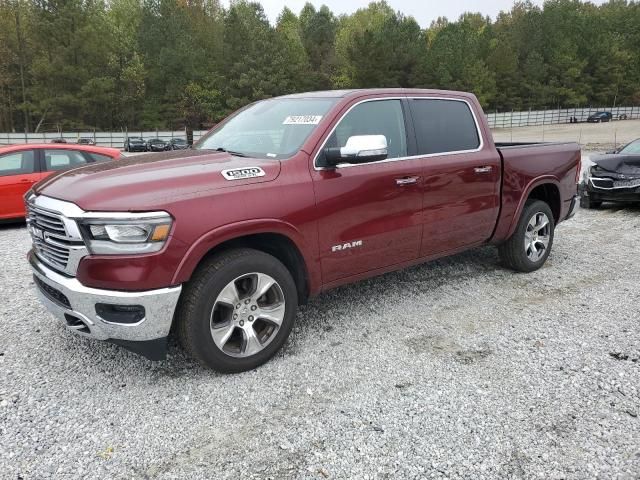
529	118
534	118
103	139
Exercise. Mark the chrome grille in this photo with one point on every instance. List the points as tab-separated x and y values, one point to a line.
52	242
45	220
56	255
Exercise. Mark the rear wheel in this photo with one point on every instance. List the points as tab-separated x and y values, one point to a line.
530	244
237	310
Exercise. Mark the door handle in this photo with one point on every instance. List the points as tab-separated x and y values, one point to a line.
406	181
26	180
486	169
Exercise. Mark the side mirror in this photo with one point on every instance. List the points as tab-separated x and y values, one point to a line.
359	149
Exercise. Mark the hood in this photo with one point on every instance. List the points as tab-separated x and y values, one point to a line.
616	163
147	182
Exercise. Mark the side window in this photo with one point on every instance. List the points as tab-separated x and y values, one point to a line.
17	163
444	126
96	157
55	159
378	117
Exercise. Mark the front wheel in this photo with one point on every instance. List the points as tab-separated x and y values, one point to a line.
237	310
530	244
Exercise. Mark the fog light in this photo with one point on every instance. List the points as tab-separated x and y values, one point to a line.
124	314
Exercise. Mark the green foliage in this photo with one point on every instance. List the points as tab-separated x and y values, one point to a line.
376	47
135	64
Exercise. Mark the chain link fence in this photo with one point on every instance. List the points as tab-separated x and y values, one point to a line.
102	139
533	118
530	118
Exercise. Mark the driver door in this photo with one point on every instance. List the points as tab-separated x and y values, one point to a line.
369	213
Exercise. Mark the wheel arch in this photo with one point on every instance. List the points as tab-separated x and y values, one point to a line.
276	238
546	189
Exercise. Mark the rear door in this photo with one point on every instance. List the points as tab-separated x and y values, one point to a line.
18	172
461	175
369	214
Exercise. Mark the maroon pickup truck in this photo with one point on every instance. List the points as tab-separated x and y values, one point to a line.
286	198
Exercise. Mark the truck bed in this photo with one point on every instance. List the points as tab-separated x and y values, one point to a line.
526	164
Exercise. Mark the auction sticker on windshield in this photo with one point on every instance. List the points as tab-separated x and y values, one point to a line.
302	120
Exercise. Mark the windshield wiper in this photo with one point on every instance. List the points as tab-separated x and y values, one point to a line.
234	153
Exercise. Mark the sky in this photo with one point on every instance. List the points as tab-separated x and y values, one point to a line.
424	11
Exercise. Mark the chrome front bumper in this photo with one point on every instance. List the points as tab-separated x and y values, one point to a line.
73	303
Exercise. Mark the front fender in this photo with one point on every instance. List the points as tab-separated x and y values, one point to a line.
233	231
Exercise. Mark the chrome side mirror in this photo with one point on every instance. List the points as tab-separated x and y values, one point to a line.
358	149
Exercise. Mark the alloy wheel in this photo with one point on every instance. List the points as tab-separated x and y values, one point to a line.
537	236
247	315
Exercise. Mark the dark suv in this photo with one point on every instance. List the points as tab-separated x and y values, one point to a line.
600	117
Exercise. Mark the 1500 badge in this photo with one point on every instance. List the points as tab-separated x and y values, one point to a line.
242	173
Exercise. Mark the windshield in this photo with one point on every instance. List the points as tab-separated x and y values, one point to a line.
632	148
274	128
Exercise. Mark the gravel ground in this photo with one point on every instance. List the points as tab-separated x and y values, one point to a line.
454	369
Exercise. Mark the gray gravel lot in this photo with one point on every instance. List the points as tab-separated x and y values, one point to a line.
454	369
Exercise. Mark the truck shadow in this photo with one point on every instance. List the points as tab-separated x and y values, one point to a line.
378	297
6	225
617	207
326	315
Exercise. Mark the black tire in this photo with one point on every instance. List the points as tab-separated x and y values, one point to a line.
513	252
588	203
199	295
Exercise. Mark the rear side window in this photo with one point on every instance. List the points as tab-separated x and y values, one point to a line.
444	126
62	159
17	163
379	117
96	157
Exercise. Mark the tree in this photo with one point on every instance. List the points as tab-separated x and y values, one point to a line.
174	63
454	58
318	31
376	47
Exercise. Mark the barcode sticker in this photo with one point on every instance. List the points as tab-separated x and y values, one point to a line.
302	120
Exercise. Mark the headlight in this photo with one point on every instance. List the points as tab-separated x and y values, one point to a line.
122	236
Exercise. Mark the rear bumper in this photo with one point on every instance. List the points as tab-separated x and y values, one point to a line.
73	303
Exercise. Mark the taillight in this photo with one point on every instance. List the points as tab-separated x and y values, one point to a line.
579	169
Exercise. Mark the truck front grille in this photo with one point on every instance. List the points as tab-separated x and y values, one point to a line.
52	243
56	255
45	220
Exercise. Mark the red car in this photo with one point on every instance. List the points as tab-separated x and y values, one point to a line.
285	199
23	165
